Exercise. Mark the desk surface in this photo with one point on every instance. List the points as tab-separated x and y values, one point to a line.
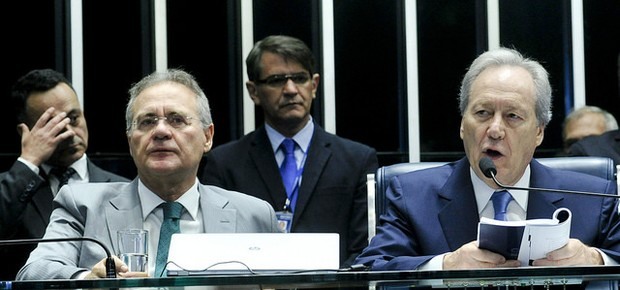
351	280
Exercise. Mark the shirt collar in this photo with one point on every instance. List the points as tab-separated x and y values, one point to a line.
150	201
483	192
80	166
302	138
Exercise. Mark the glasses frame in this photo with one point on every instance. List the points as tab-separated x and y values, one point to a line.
185	121
280	80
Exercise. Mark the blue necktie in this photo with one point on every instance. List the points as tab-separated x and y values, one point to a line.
501	199
170	225
288	168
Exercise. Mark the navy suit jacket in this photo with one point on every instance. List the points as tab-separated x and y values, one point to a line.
332	197
434	211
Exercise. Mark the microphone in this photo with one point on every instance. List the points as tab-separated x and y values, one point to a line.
489	170
110	266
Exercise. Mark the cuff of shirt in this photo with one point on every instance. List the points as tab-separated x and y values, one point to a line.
436	263
607	261
32	167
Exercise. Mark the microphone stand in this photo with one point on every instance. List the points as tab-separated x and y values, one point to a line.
110	266
547	189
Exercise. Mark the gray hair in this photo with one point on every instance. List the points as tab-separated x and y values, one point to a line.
610	120
511	57
170	75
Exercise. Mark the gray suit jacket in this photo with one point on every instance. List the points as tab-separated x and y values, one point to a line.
25	208
98	211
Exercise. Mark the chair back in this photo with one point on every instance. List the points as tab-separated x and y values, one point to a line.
598	166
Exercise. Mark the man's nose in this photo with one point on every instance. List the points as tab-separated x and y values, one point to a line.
496	127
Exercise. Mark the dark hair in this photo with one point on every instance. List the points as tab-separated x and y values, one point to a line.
289	48
35	81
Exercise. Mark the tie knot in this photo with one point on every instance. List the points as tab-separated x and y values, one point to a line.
288	145
172	210
62	172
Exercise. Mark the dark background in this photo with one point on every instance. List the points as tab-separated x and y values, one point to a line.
370	61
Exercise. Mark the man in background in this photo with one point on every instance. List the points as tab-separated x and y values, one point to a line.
318	184
604	145
586	121
54	140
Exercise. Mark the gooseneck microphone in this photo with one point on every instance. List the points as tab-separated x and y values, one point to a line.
489	170
110	266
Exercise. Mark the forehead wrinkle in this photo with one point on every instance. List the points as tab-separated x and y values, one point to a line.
503	102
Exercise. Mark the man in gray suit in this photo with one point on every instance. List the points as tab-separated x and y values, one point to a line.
53	135
169	128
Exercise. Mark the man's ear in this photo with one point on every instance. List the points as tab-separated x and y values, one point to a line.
253	91
209	137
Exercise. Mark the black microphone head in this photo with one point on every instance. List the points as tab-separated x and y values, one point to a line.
488	167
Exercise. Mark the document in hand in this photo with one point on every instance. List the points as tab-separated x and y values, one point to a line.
525	240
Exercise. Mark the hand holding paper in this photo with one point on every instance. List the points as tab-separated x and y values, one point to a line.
525	240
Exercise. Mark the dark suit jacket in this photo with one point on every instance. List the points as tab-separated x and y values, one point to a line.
25	208
332	197
605	145
434	211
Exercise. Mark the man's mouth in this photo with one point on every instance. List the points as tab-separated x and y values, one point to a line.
493	153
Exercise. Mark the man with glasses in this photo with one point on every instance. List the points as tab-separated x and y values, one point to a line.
54	138
315	181
169	128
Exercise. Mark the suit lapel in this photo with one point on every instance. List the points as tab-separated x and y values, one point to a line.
267	167
216	217
124	212
318	155
459	216
539	203
42	201
96	174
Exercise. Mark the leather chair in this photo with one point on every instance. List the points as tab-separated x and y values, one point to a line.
378	183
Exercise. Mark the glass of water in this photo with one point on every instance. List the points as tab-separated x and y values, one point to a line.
133	249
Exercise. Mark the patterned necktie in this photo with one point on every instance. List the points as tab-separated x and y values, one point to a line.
501	199
288	169
170	225
63	175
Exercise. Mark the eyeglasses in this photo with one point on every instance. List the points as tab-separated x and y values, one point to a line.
149	122
277	81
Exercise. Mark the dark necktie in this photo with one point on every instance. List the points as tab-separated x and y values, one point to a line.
501	199
288	168
170	225
63	175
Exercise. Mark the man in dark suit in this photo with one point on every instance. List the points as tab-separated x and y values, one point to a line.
53	135
432	215
327	191
606	145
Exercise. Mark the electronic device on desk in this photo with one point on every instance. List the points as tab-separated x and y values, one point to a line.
252	253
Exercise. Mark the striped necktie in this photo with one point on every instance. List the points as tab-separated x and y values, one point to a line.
63	175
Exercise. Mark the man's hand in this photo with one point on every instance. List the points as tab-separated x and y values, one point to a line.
39	143
469	256
572	254
122	271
